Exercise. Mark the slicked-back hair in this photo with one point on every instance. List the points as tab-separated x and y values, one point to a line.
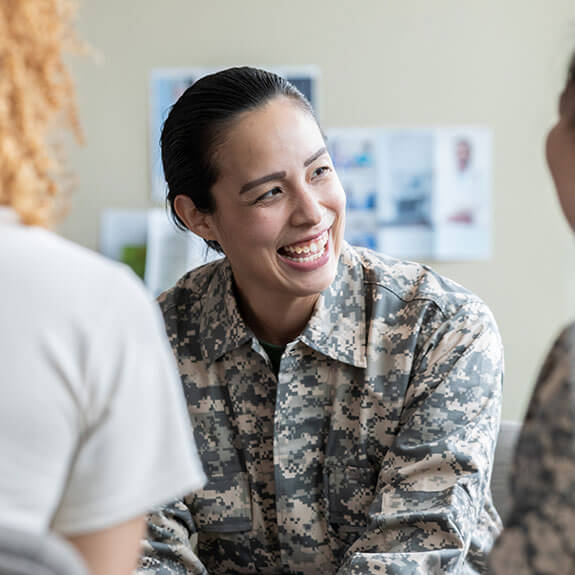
198	123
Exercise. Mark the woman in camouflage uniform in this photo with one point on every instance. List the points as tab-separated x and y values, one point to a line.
345	404
540	535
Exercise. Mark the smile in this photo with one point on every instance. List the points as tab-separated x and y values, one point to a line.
306	251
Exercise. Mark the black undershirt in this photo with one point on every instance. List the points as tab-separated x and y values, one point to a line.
274	353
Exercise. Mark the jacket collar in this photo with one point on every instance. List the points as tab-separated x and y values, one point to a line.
336	328
222	327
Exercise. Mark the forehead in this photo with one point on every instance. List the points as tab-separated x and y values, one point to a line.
269	137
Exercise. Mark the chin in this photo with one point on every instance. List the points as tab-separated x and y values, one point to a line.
320	283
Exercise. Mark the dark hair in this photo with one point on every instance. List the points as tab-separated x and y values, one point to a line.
197	123
568	94
571	72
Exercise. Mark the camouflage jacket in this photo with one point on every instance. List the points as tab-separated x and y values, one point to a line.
539	536
371	451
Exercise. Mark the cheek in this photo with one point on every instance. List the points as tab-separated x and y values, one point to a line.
338	207
252	229
551	149
338	198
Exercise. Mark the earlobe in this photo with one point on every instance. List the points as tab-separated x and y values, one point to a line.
200	223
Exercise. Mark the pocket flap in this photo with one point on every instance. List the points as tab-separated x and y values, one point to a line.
224	504
350	491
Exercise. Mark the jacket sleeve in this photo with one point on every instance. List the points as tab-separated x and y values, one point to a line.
168	549
432	512
538	536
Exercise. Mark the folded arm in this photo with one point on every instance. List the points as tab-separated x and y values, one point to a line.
169	549
434	480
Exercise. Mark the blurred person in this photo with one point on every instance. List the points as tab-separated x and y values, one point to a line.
465	203
345	403
539	536
93	429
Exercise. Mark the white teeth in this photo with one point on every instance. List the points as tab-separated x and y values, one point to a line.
314	248
311	251
306	259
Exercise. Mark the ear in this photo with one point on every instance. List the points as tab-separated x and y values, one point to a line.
200	223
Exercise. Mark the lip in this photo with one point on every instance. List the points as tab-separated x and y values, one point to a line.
308	238
308	266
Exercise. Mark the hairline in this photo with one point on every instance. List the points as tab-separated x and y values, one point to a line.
226	126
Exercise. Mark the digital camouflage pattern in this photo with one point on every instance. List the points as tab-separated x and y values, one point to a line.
370	453
539	537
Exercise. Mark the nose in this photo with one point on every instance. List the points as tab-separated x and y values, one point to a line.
307	210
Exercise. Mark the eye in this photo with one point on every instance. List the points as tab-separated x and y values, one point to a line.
269	195
318	172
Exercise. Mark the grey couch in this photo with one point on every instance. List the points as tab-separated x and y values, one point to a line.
504	452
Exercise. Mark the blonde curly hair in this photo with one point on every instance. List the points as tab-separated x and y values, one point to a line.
36	92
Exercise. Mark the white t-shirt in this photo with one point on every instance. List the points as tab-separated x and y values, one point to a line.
93	428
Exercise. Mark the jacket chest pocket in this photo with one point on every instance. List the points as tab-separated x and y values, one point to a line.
350	492
224	504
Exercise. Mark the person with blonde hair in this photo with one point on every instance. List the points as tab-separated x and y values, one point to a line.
538	538
93	429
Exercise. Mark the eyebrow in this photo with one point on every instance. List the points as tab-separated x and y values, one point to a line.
315	156
279	175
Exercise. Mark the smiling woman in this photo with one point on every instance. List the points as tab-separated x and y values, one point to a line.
277	195
345	404
268	222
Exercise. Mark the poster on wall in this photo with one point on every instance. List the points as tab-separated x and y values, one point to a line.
171	252
168	84
354	153
416	193
123	237
463	200
406	192
149	243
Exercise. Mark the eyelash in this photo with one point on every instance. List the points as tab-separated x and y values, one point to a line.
318	173
267	195
321	170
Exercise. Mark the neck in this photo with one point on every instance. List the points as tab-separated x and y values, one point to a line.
274	319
